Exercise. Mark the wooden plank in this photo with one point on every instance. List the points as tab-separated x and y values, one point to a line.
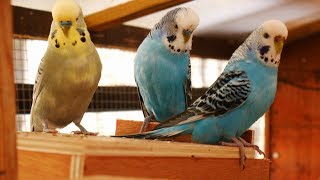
176	168
127	11
131	127
35	165
8	166
295	153
107	146
294	115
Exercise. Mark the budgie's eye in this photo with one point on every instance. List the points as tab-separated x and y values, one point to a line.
176	26
266	35
77	19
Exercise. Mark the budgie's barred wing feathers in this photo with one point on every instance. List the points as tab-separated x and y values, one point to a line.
228	92
187	87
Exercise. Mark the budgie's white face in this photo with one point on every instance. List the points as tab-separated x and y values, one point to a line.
271	37
68	28
176	29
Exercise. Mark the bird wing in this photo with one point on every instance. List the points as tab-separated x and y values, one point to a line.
143	107
38	85
187	87
228	92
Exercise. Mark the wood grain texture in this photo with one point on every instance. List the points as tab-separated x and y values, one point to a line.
131	127
295	114
39	165
127	11
176	168
107	146
7	96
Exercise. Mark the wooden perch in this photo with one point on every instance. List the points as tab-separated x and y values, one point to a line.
88	157
124	127
127	11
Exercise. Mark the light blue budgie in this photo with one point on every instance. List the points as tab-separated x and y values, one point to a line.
241	95
162	67
68	74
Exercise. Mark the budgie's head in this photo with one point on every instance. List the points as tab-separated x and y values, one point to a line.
176	29
267	42
68	27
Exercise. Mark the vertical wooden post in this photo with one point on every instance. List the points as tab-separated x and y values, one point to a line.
8	158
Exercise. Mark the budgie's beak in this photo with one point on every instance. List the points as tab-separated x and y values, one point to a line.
186	34
65	25
278	43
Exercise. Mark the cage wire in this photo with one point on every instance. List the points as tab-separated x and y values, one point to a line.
116	96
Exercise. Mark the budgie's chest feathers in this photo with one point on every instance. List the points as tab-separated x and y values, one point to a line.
161	76
263	85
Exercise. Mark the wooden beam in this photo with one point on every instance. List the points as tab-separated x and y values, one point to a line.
8	158
26	25
127	11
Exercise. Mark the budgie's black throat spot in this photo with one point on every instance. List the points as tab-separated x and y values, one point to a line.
266	59
171	38
83	39
264	50
57	45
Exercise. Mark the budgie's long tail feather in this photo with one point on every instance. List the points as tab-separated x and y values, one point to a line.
163	133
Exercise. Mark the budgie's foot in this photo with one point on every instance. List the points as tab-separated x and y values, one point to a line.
83	130
237	143
53	131
146	123
255	147
46	128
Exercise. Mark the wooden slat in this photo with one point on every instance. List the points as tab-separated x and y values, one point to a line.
127	11
294	115
176	168
35	165
7	96
131	127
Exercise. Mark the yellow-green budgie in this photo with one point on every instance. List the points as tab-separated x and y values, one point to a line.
68	74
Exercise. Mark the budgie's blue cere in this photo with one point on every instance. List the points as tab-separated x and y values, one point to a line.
241	95
162	66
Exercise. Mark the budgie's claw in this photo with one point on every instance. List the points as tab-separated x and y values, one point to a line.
255	147
237	143
146	123
83	130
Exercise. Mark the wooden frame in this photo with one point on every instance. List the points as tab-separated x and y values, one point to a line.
127	11
8	158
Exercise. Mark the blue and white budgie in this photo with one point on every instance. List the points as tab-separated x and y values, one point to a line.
162	67
241	94
68	74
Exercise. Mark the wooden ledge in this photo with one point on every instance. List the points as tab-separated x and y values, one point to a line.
65	156
106	146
